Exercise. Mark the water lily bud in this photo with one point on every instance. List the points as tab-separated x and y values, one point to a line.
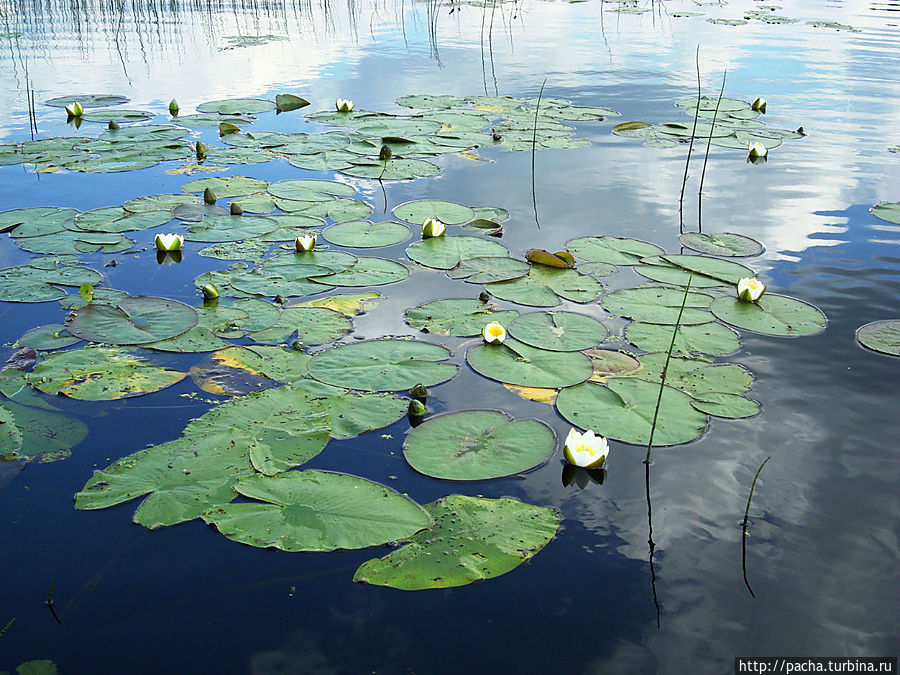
305	243
757	149
113	125
201	150
298	346
416	408
432	227
279	300
585	450
209	197
173	108
386	153
419	391
493	333
759	104
168	242
75	109
343	105
750	289
210	292
236	209
484	296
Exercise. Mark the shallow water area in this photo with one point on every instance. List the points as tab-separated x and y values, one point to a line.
645	573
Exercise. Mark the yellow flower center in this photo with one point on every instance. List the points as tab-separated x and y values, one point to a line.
495	331
585	448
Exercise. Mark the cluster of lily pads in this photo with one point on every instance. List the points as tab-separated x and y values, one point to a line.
440	125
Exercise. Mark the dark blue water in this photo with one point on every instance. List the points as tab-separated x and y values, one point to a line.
822	555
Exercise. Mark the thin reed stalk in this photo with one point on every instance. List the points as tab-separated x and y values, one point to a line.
687	162
712	128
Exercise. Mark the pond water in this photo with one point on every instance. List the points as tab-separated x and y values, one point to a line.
645	573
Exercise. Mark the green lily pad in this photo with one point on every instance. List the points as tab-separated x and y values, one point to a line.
657	269
249	249
447	252
10	435
776	315
711	338
288	102
232	186
310	190
213	120
558	331
312	325
472	539
180	479
722	243
37	222
48	338
30	283
365	234
383	365
99	374
339	210
132	321
259	202
723	270
157	202
697	377
87	100
544	286
659	305
230	228
889	211
237	106
46	433
392	169
317	511
729	406
612	250
488	269
366	271
37	667
880	336
194	213
202	336
623	410
478	445
123	221
460	317
515	363
118	115
450	213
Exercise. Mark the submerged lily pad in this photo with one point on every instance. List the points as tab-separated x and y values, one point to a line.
772	314
99	374
722	243
623	410
387	364
132	321
472	539
513	362
478	445
881	336
317	511
457	316
558	331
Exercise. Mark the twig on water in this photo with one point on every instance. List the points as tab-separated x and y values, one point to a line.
744	532
49	603
706	158
690	148
533	145
7	626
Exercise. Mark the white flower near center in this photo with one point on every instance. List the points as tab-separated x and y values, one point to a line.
750	290
585	450
168	242
305	243
757	149
493	333
344	105
432	227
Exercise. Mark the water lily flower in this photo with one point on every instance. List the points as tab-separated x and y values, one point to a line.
757	149
493	333
432	227
344	105
75	109
759	104
305	243
750	290
585	450
168	242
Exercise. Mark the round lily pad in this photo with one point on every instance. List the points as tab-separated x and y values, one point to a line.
544	286
87	100
612	250
365	234
317	511
729	406
232	186
393	169
658	304
889	211
47	338
478	445
513	362
457	316
472	539
230	228
880	336
310	190
447	252
383	365
558	331
418	211
488	269
723	270
132	321
711	338
237	106
311	325
722	243
772	314
623	410
657	269
366	271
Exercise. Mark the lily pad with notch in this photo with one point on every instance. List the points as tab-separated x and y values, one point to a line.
658	305
132	321
418	211
881	336
365	234
776	315
558	331
612	250
461	317
445	253
489	269
513	362
544	286
722	243
713	338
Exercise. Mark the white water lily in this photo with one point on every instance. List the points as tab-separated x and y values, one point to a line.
432	227
344	105
757	149
305	243
759	104
750	289
585	450
493	333
168	242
